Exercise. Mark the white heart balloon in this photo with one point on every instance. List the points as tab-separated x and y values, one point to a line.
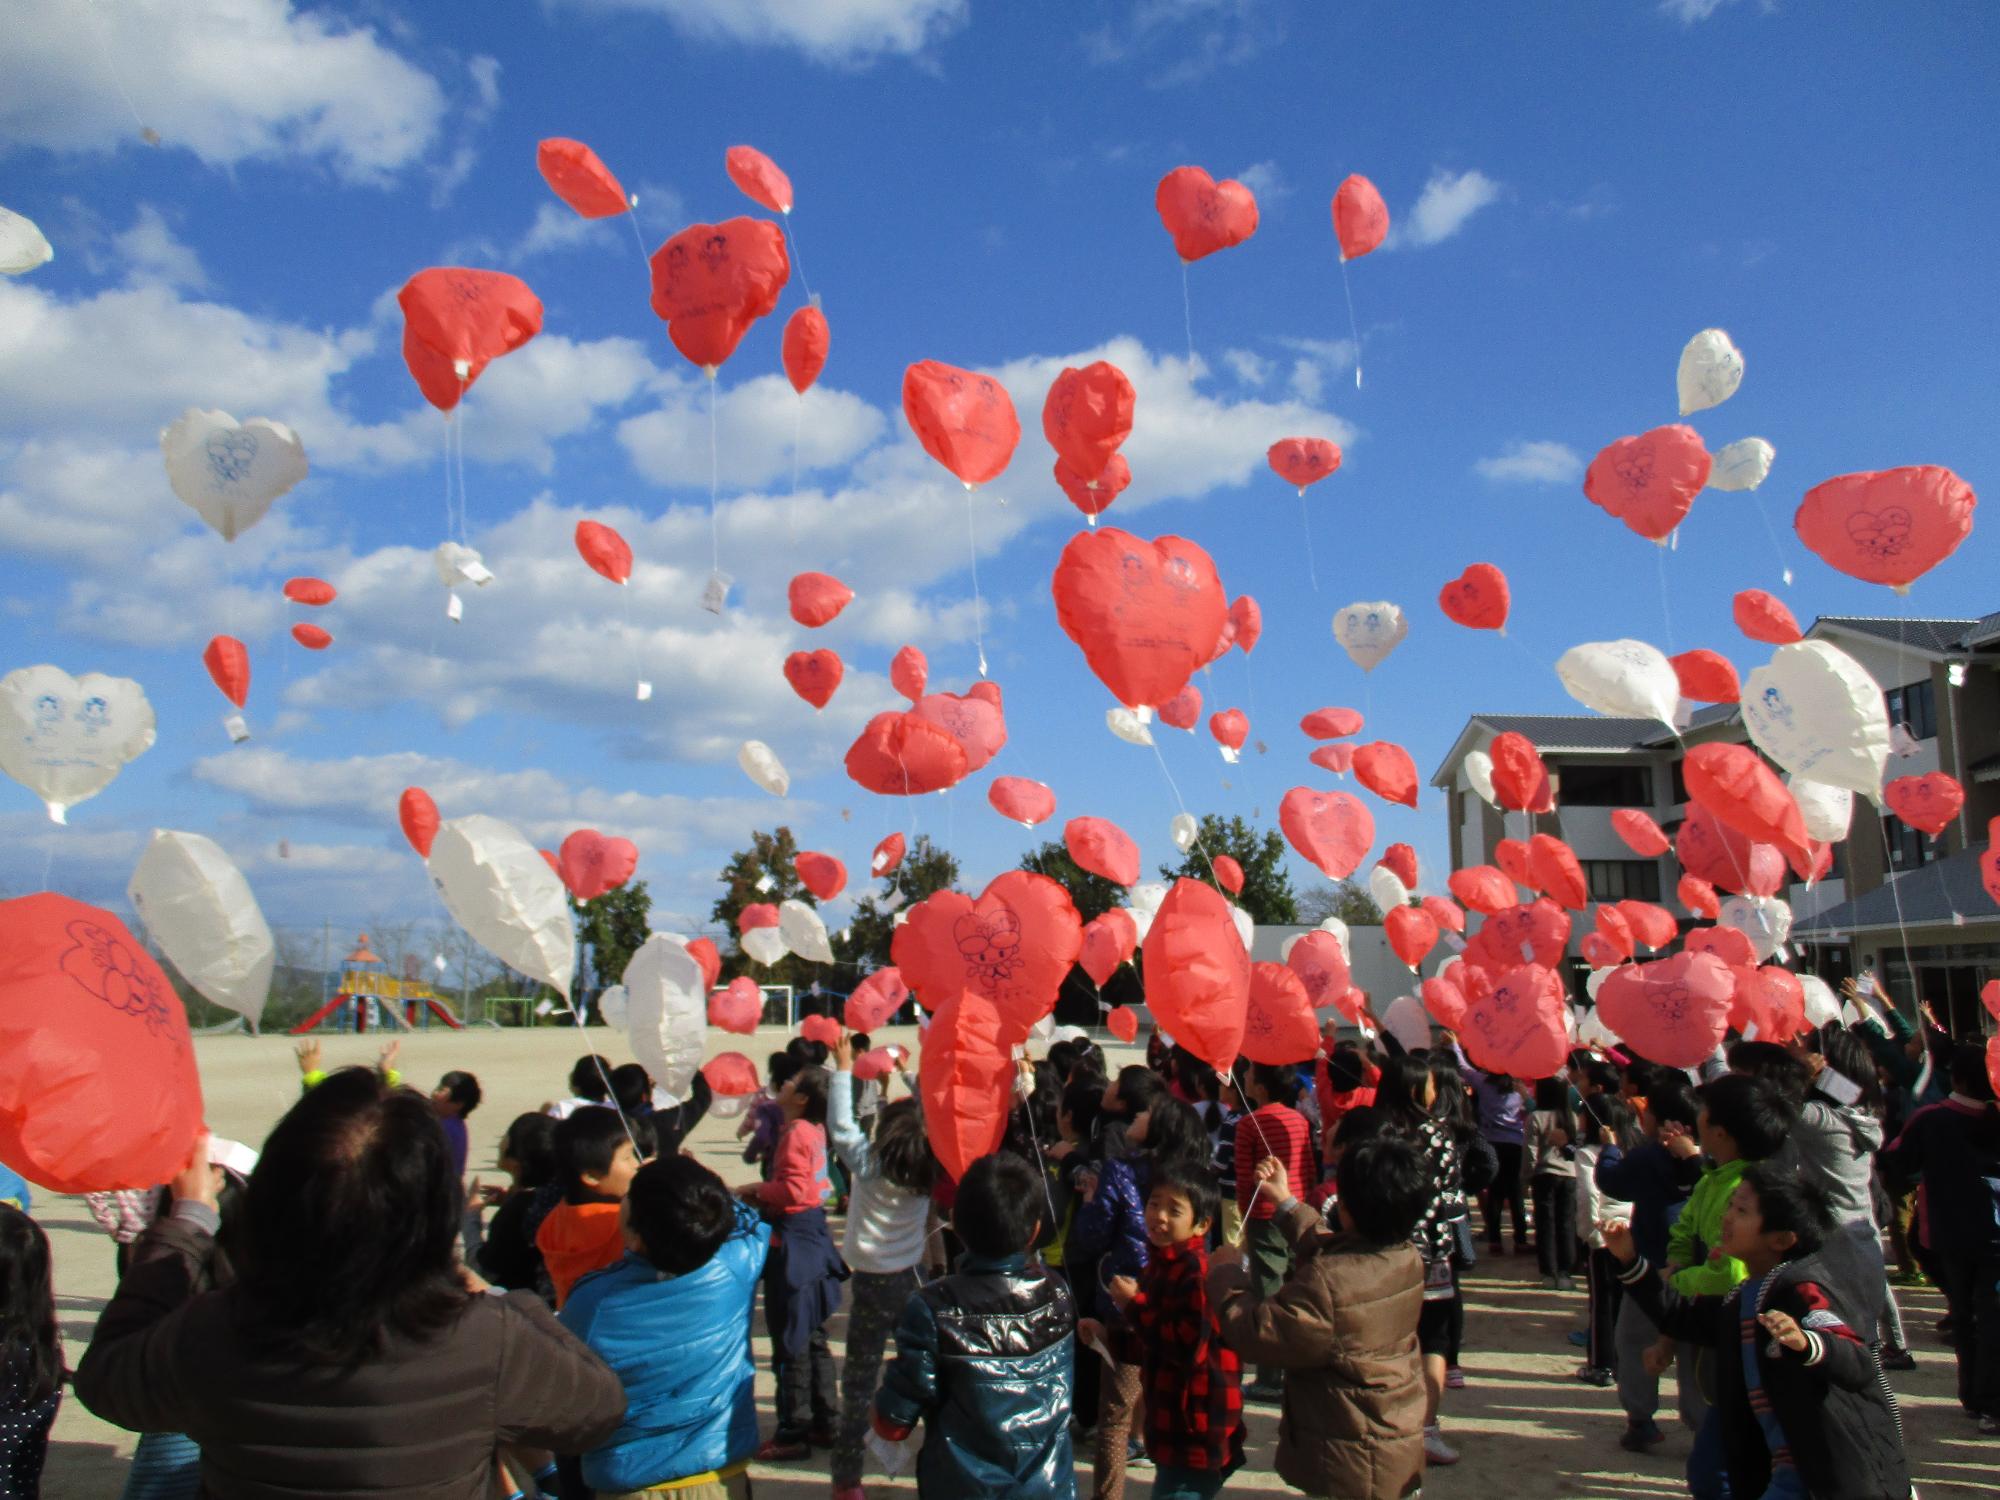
1185	831
1340	935
1815	711
1710	371
66	738
1765	920
1743	465
1408	1022
199	909
1387	887
1246	927
1822	1004
231	472
613	1005
1624	679
804	933
666	1012
497	886
1369	631
765	945
1142	919
1828	810
1479	775
23	246
1128	726
761	764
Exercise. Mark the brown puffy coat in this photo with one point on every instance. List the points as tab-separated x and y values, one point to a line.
419	1420
1343	1328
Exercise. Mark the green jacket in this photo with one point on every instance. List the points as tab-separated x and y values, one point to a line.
1691	1244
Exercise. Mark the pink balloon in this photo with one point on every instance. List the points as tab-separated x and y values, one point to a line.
591	864
1230	728
823	1029
909	672
876	999
1673	1011
1338	759
1108	941
1360	217
1483	889
815	598
1331	723
1534	934
1891	526
1317	960
1303	461
738	1008
1279	1024
1123	1023
1228	874
1556	870
1926	802
1183	710
1521	1028
1445	1001
1102	848
1022	800
1447	914
1401	861
1652	925
1650	481
965	1076
1412	933
1094	497
1248	619
976	720
732	1075
1477	599
879	1062
1332	830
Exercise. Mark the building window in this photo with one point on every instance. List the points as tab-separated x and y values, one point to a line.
1622	879
1909	848
1916	706
1606	786
1680	785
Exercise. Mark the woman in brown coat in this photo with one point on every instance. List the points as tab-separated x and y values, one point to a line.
1343	1327
351	1356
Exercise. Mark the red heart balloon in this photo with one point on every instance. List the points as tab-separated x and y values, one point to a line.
1332	830
1387	771
1331	723
1360	217
1279	1026
1230	727
879	1062
1087	416
804	347
760	179
814	675
1183	710
1556	870
462	319
1401	861
1614	929
1891	526
312	637
1248	618
704	952
580	178
1520	779
1641	834
822	874
1512	855
437	376
909	672
1302	461
228	663
1537	934
1338	759
1674	1011
591	864
1094	497
1782	1000
419	816
604	550
1706	677
1146	614
1522	1027
965	1078
1014	945
1989	996
1022	800
1989	870
738	1008
1198	974
1649	482
757	914
732	1075
712	281
822	1029
888	855
1709	848
1449	916
1599	951
311	591
1927	802
1322	967
1101	847
903	755
1108	941
1444	1000
975	720
1652	925
1734	783
1204	215
1729	944
1228	874
1123	1023
1477	598
876	999
1412	933
1698	896
965	420
816	598
1482	889
1764	618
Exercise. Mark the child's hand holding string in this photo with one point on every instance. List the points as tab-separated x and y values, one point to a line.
1273	1181
1785	1329
1122	1289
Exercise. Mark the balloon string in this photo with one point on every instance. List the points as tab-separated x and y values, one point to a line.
1187	314
1353	326
1306	525
48	861
714	483
464	500
798	261
447	477
1034	1136
978	621
146	132
798	421
632	218
1200	847
1777	549
1263	1140
1666	609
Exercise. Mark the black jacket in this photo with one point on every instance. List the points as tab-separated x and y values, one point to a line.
1838	1414
984	1358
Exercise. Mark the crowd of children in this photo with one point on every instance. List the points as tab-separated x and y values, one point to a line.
1155	1252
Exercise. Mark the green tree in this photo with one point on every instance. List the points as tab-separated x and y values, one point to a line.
1267	889
925	870
1093	894
1348	900
765	872
615	925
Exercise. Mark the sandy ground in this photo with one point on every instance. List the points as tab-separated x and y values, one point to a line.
1525	1427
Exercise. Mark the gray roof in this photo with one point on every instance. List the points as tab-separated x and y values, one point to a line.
1938	636
1984	632
1925	897
1574	731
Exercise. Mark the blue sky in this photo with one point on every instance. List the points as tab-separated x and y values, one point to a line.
1577	189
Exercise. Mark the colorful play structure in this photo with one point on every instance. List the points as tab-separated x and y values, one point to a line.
375	994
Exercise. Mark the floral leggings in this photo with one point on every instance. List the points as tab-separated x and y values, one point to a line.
876	1302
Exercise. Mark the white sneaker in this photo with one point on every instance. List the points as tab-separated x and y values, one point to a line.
1437	1450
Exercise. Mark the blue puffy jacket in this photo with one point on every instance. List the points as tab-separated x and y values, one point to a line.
681	1347
1110	1230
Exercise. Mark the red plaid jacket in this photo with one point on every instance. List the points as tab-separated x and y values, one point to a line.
1194	1381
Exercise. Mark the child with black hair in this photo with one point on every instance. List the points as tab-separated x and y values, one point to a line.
685	1283
1602	1119
1127	1096
887	1216
507	1256
1192	1378
456	1096
1548	1157
1801	1409
1271	1129
1343	1326
802	1279
1073	1155
589	1084
983	1354
596	1159
31	1362
763	1121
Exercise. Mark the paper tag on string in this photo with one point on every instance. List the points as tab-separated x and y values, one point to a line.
645	691
545	1007
1103	1353
238	730
765	882
454	607
715	591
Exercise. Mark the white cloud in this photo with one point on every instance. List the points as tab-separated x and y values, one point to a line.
557	227
833	31
1265	179
1249	367
1533	463
756	422
1448	200
1692	12
153	254
230	80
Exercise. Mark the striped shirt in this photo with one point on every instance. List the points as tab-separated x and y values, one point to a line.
1274	1130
